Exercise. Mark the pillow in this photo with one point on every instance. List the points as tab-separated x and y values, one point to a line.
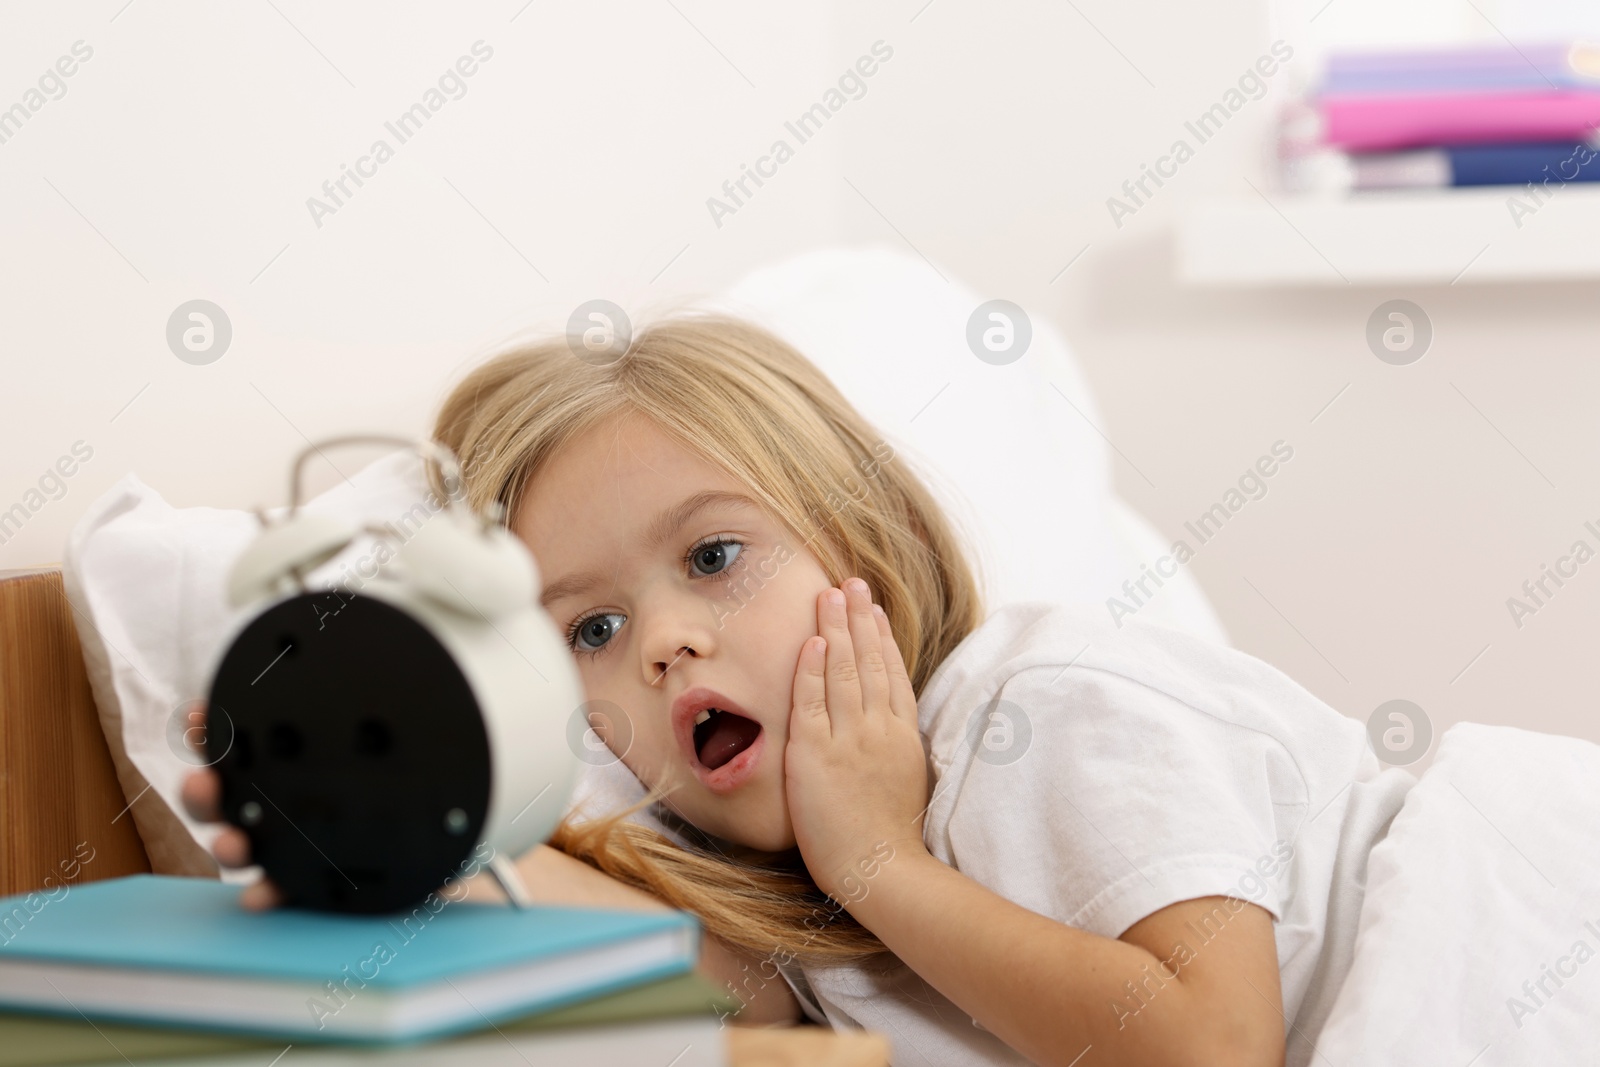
1012	451
147	579
1014	465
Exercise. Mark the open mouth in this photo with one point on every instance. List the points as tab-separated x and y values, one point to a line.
719	736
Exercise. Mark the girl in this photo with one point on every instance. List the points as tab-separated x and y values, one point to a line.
1021	836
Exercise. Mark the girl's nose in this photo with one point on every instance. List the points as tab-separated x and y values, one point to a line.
662	668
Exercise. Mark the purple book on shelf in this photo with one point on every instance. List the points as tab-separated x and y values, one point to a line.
1530	67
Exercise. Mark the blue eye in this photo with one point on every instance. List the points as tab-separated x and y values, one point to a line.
595	627
711	553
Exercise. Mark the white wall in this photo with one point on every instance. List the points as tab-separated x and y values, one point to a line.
1379	564
180	160
1377	567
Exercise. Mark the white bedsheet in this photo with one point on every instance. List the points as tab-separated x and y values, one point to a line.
1486	887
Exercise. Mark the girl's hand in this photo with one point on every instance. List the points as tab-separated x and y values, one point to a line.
202	798
855	771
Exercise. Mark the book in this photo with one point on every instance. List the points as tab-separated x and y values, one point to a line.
180	951
1531	67
655	1020
1373	122
1541	163
681	1042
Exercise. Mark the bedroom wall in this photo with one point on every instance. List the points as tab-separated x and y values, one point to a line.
179	162
574	163
1379	562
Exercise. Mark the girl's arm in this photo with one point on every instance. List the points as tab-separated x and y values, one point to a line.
553	877
1193	983
1060	995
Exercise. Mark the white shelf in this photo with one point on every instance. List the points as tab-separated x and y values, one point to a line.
1422	237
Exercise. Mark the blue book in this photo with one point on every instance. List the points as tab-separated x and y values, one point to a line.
180	951
1545	164
1556	162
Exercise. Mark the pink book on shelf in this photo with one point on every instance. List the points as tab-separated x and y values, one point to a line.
1374	122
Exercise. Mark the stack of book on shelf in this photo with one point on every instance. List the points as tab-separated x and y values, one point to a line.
1506	115
152	969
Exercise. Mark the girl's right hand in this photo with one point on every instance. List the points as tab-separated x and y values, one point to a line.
202	798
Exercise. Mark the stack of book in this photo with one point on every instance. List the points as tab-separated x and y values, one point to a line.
1507	115
153	969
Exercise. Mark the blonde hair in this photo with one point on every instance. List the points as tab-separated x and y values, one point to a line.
751	405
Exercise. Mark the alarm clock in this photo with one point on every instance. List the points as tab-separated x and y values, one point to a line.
374	742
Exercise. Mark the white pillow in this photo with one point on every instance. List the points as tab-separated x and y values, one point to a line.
1013	452
1016	467
1033	492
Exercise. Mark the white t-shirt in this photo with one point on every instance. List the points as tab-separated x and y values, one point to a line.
1097	774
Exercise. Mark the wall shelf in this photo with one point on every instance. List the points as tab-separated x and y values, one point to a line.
1421	237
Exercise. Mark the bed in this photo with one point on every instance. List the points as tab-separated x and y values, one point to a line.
1486	879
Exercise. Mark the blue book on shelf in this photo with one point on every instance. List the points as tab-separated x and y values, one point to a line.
1545	164
180	951
1517	164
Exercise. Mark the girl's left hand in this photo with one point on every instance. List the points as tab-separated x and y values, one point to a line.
855	771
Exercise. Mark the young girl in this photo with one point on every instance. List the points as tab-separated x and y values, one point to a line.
1023	836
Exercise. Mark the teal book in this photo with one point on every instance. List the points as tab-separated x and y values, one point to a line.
182	952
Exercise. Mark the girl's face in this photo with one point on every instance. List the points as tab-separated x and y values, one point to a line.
674	594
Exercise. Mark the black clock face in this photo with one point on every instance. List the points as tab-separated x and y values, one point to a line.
351	751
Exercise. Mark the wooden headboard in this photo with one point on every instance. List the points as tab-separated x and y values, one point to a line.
59	797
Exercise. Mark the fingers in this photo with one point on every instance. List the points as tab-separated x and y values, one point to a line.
868	646
810	713
231	847
260	895
202	795
864	671
902	697
844	678
202	798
